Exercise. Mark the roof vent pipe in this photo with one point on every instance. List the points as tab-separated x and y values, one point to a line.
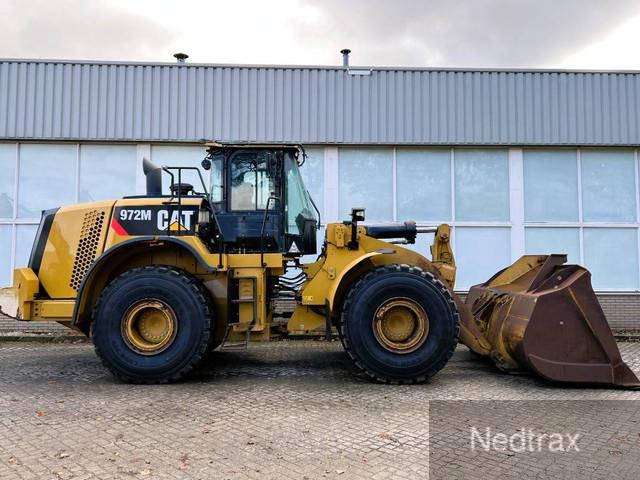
180	57
345	56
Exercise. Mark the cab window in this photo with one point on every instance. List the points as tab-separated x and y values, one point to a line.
251	184
216	187
298	206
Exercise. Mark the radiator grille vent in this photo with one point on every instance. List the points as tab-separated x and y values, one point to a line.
87	246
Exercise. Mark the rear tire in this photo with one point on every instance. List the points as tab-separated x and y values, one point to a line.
419	345
178	313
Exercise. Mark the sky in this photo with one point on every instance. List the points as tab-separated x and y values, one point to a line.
573	34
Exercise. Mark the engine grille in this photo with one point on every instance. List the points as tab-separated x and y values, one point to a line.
87	246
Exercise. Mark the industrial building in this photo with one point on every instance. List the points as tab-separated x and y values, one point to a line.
517	161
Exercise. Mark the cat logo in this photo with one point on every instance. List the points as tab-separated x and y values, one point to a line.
175	223
154	220
177	227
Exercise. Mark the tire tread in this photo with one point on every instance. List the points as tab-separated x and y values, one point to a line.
353	293
200	294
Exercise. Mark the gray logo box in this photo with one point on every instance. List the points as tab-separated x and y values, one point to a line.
478	439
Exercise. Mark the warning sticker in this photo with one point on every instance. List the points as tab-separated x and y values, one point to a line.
294	248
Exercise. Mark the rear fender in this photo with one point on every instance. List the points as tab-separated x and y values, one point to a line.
120	257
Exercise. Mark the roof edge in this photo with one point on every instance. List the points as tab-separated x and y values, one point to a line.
317	67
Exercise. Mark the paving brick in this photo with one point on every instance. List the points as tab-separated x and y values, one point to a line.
290	409
280	410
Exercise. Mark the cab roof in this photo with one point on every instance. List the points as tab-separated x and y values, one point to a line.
218	144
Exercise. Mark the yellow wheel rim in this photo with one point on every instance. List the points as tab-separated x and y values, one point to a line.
401	325
149	326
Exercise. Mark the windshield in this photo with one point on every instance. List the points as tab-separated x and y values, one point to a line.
298	205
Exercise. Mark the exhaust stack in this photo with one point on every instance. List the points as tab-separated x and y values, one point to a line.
153	174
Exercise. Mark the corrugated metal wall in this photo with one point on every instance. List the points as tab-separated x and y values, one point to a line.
167	102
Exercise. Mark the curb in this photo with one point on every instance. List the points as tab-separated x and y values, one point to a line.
50	338
627	337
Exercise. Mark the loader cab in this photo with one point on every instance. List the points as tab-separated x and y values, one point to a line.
260	200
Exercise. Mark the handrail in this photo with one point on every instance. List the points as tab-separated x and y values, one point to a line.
316	208
264	223
206	196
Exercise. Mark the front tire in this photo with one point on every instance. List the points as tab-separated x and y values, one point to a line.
152	324
399	324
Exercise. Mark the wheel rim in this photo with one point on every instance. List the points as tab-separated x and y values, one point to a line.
149	326
401	325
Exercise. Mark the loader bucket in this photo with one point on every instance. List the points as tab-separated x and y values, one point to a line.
543	316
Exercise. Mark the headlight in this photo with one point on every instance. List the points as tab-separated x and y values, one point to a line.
204	216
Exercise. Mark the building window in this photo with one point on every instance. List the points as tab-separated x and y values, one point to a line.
466	187
7	179
107	171
551	185
553	240
612	272
482	184
479	253
366	180
608	185
424	184
180	156
583	202
51	175
6	242
47	178
25	234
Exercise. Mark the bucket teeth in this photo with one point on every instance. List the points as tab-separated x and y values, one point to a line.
543	316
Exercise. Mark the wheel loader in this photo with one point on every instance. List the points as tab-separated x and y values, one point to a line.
159	280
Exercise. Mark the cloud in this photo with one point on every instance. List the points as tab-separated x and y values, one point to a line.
447	33
78	29
506	33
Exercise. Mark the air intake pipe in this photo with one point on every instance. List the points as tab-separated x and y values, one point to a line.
153	174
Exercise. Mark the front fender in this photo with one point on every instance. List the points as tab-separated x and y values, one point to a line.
348	270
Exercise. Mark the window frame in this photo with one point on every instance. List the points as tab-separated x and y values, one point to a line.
341	173
578	184
88	147
452	221
450	181
15	222
580	224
